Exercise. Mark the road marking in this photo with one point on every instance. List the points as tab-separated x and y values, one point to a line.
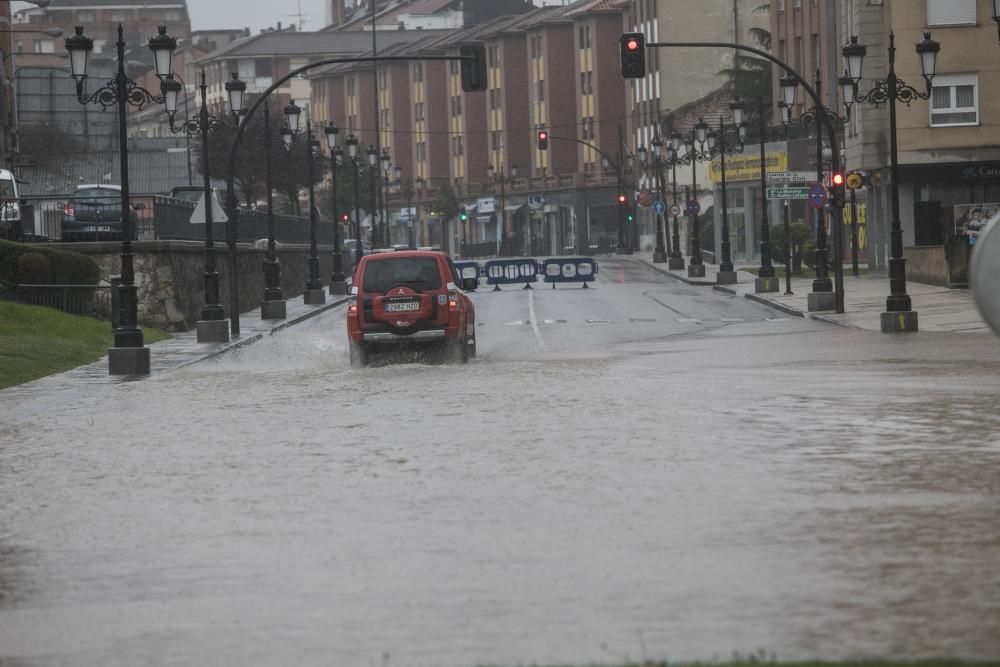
553	321
777	319
531	318
643	319
733	319
689	319
598	321
515	323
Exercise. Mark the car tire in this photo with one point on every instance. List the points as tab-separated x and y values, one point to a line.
472	344
359	355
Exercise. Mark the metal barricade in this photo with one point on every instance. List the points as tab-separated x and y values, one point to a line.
570	270
511	272
468	270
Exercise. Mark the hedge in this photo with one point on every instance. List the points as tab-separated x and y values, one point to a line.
64	267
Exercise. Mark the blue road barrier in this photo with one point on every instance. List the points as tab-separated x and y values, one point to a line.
511	272
468	270
570	270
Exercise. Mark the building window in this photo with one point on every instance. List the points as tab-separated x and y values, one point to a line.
456	105
781	5
954	100
172	15
538	91
457	146
418	71
119	17
85	17
951	12
45	46
421	151
496	140
418	111
454	66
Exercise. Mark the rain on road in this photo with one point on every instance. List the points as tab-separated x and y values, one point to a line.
642	469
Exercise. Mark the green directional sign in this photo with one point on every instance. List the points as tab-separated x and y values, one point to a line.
796	192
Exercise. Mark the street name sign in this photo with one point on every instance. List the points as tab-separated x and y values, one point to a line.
788	192
782	177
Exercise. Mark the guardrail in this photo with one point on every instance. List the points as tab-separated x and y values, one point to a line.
570	270
527	269
511	271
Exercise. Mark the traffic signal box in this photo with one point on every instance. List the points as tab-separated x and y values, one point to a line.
463	215
838	183
543	140
633	55
473	68
622	199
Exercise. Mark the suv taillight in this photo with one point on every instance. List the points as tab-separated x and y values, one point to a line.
352	309
453	300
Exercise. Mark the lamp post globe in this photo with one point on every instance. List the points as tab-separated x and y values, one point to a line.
236	90
163	47
293	113
287	136
171	92
331	131
80	47
789	88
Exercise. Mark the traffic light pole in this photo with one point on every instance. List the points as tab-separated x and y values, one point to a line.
823	119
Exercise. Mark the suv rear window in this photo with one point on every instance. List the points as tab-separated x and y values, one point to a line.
98	193
420	273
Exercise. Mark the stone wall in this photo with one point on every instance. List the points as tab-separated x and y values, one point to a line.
169	275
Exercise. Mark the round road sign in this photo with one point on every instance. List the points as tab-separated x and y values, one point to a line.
817	195
854	180
645	198
675	209
693	207
659	207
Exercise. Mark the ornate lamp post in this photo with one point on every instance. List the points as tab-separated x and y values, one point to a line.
501	178
696	149
899	314
128	356
996	14
719	146
373	185
213	326
314	294
338	284
420	183
386	161
676	259
660	252
352	152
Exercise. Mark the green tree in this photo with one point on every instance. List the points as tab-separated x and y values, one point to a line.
749	77
446	203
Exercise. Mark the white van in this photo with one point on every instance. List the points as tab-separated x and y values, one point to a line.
10	207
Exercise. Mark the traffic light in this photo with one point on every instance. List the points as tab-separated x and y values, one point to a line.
633	55
543	140
622	199
473	68
345	218
462	215
630	216
838	183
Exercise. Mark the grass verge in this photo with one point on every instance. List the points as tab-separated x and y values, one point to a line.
37	341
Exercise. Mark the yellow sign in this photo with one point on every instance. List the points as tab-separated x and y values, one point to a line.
746	167
854	180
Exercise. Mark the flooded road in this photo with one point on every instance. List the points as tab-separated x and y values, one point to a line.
643	469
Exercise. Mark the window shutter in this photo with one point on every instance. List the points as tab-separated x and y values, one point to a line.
951	12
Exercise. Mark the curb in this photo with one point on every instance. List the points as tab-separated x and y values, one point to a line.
788	310
667	272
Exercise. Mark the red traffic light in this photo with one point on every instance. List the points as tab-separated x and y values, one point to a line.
543	135
837	178
622	199
632	45
345	217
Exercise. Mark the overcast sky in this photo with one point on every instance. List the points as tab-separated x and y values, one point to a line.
255	14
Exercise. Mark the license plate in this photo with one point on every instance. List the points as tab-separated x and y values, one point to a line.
401	307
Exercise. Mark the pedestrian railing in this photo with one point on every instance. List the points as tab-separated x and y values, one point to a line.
93	300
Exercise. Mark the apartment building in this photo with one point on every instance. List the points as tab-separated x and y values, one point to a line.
949	158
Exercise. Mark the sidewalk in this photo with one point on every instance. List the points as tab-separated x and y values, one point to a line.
938	308
184	349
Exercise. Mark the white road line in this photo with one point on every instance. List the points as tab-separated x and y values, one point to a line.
689	319
733	319
533	321
598	321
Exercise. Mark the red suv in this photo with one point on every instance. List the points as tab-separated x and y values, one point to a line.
410	297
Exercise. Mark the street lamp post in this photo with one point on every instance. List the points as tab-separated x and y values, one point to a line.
386	160
502	178
128	356
717	145
272	306
352	151
824	295
676	260
420	183
695	151
373	185
766	280
660	252
314	294
338	284
212	327
899	314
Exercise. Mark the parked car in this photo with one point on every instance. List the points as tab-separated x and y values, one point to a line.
94	213
10	202
350	246
189	193
410	298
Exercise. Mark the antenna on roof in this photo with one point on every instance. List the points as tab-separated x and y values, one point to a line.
299	15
